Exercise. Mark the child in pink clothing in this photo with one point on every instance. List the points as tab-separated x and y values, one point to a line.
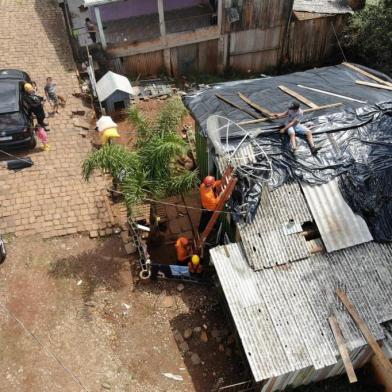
43	137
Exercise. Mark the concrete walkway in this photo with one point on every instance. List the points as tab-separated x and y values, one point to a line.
50	199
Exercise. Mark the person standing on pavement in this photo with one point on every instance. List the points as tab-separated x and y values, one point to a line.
91	29
294	126
52	96
34	104
209	200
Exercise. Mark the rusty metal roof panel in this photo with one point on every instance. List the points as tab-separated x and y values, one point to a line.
338	225
322	6
269	240
281	313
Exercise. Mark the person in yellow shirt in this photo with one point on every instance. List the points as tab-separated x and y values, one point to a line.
109	134
209	200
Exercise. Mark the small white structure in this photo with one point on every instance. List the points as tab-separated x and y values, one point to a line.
114	92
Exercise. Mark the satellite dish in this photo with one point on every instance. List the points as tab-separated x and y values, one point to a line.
234	146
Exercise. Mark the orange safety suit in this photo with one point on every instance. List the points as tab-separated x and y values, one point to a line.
195	269
182	249
208	198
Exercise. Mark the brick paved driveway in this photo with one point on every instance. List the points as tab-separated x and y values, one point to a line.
49	198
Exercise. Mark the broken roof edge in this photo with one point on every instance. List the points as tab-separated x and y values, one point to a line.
90	3
332	7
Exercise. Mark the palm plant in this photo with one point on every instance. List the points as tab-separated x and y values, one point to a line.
152	169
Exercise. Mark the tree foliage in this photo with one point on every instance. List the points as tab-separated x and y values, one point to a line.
368	37
152	169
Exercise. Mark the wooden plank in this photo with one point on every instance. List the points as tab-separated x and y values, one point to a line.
332	105
364	329
375	85
237	106
337	333
369	75
256	106
298	96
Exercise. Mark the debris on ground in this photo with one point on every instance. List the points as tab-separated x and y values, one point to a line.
173	376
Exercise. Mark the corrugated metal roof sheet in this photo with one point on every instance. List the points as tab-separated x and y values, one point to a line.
266	239
322	6
111	82
282	313
338	225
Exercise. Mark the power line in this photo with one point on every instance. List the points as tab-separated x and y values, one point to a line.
180	205
46	349
340	46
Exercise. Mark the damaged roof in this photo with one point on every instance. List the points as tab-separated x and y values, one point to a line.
322	6
280	289
282	313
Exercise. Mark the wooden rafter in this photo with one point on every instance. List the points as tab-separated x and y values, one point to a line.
375	85
222	98
364	329
337	333
368	74
332	105
254	105
299	97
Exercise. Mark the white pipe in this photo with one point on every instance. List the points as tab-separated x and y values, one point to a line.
329	93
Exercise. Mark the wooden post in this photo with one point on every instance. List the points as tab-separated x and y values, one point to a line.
337	333
364	329
100	27
161	12
162	29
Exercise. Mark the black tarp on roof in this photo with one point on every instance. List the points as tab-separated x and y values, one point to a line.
355	137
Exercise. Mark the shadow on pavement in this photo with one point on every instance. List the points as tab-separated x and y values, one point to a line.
101	268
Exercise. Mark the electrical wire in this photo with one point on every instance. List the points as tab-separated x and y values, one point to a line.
46	349
15	157
340	46
181	205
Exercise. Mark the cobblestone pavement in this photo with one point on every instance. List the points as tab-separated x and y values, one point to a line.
50	198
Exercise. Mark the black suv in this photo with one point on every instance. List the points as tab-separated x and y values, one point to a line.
16	123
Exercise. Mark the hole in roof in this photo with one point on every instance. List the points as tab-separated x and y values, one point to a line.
250	354
310	230
254	248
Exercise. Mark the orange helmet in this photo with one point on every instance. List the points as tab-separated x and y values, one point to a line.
209	181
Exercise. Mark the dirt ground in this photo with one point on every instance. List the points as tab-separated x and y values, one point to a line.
73	320
150	109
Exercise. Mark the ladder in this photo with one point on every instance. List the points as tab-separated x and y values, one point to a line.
225	190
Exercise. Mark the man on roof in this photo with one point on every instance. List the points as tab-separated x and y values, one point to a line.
294	127
209	200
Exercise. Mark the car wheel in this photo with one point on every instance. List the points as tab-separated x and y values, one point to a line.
33	142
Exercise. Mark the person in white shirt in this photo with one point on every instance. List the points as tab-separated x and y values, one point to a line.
293	126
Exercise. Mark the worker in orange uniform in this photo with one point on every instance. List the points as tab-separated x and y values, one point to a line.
209	200
183	250
194	265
